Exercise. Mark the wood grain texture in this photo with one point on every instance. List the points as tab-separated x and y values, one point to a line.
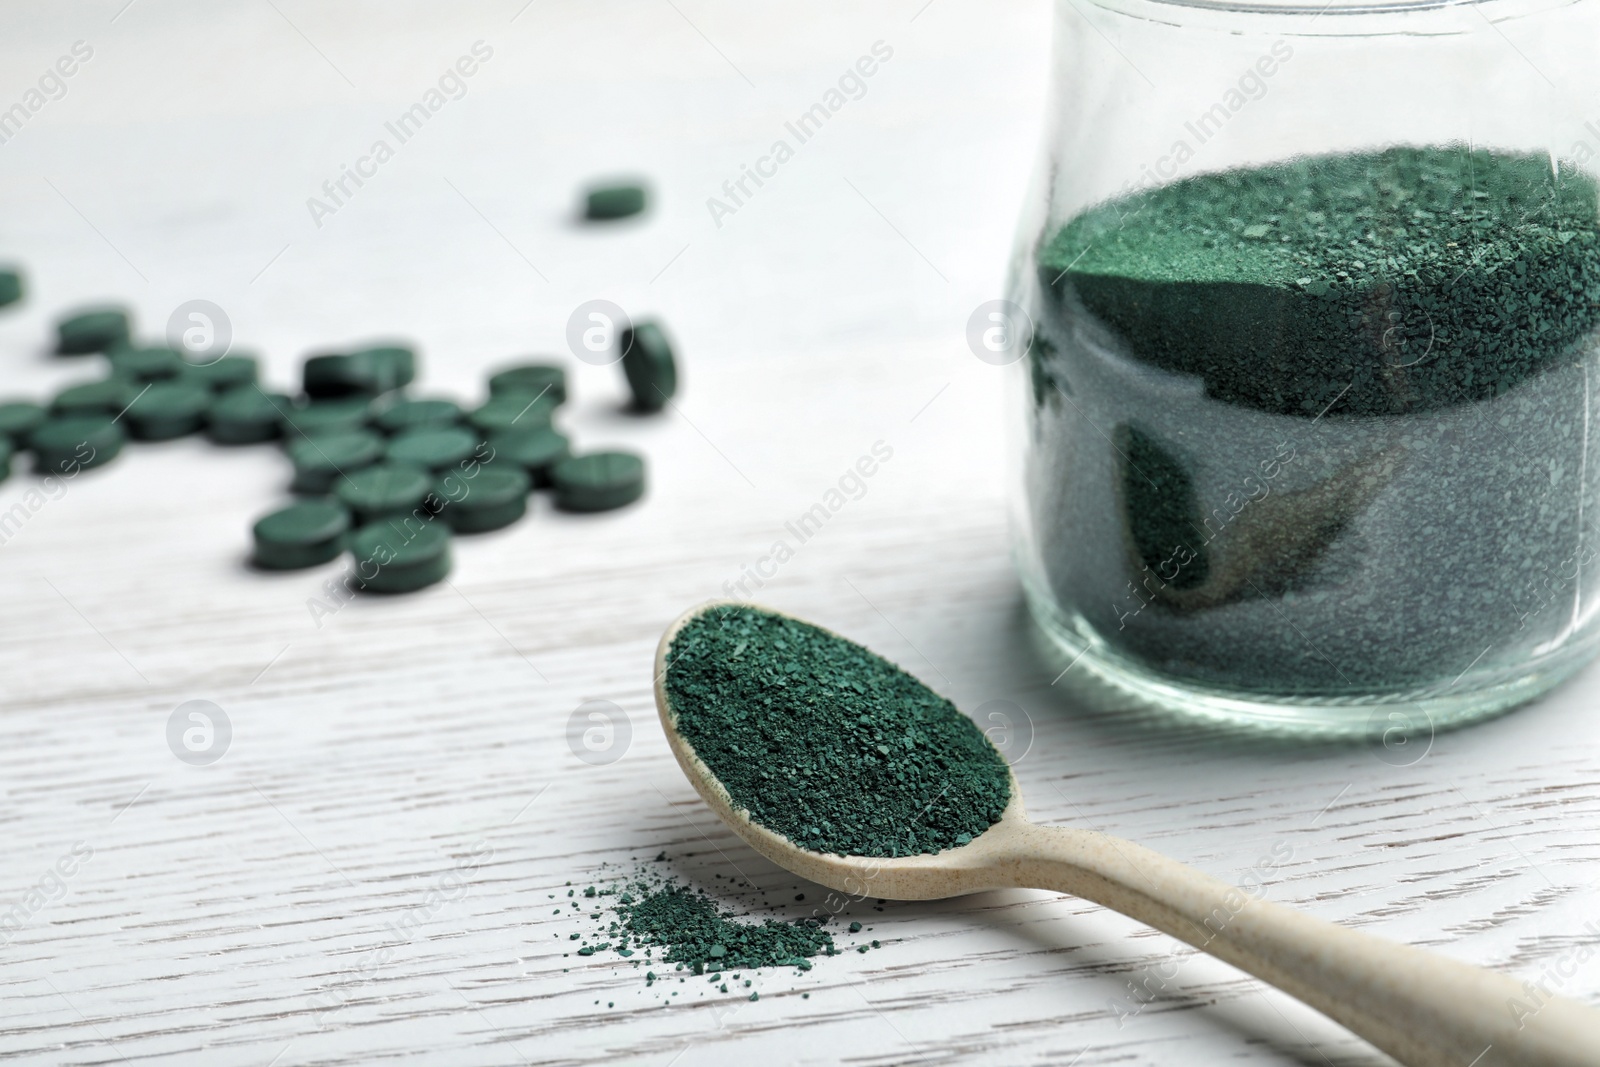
274	907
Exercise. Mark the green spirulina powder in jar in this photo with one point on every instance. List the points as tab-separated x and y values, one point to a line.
828	744
1322	429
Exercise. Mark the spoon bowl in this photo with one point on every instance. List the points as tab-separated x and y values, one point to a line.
1423	1009
951	873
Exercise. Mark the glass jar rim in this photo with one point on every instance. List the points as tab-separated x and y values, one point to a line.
1311	10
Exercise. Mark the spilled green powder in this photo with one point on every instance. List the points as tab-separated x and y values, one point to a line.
673	933
826	743
691	929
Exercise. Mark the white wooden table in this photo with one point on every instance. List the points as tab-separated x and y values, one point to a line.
365	873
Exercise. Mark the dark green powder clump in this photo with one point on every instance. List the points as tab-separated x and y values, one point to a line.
1405	280
694	931
826	743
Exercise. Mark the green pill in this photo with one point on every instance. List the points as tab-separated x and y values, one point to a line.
321	461
495	497
67	444
535	451
343	374
18	420
166	410
648	364
598	481
97	329
10	287
229	372
326	416
512	411
6	450
108	396
300	535
384	491
394	365
245	415
140	365
613	201
405	415
433	449
400	556
534	379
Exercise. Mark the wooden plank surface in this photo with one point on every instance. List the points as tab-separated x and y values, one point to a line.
366	874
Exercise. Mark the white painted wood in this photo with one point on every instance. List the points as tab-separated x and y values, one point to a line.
223	905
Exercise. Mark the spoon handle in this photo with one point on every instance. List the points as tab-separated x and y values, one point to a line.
1423	1009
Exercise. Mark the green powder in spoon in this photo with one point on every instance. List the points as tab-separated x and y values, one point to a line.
826	743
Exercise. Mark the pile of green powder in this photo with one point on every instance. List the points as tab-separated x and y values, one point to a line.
691	929
826	743
1408	279
662	925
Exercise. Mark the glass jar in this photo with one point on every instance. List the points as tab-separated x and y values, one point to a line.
1314	295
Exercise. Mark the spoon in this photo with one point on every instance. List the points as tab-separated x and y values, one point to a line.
1423	1009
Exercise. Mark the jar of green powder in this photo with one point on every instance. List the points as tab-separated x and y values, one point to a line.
1310	293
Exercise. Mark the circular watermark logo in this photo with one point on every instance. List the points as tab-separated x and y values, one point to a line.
599	732
999	332
1402	346
199	732
1007	726
1402	736
199	330
593	330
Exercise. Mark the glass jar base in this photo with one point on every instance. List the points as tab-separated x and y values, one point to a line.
1091	669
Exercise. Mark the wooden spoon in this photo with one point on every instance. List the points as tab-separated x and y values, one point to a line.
1423	1009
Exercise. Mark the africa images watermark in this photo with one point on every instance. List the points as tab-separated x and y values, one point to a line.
1159	977
54	487
50	887
453	487
1582	150
1565	966
449	886
52	85
853	82
1250	86
452	85
1186	554
852	485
